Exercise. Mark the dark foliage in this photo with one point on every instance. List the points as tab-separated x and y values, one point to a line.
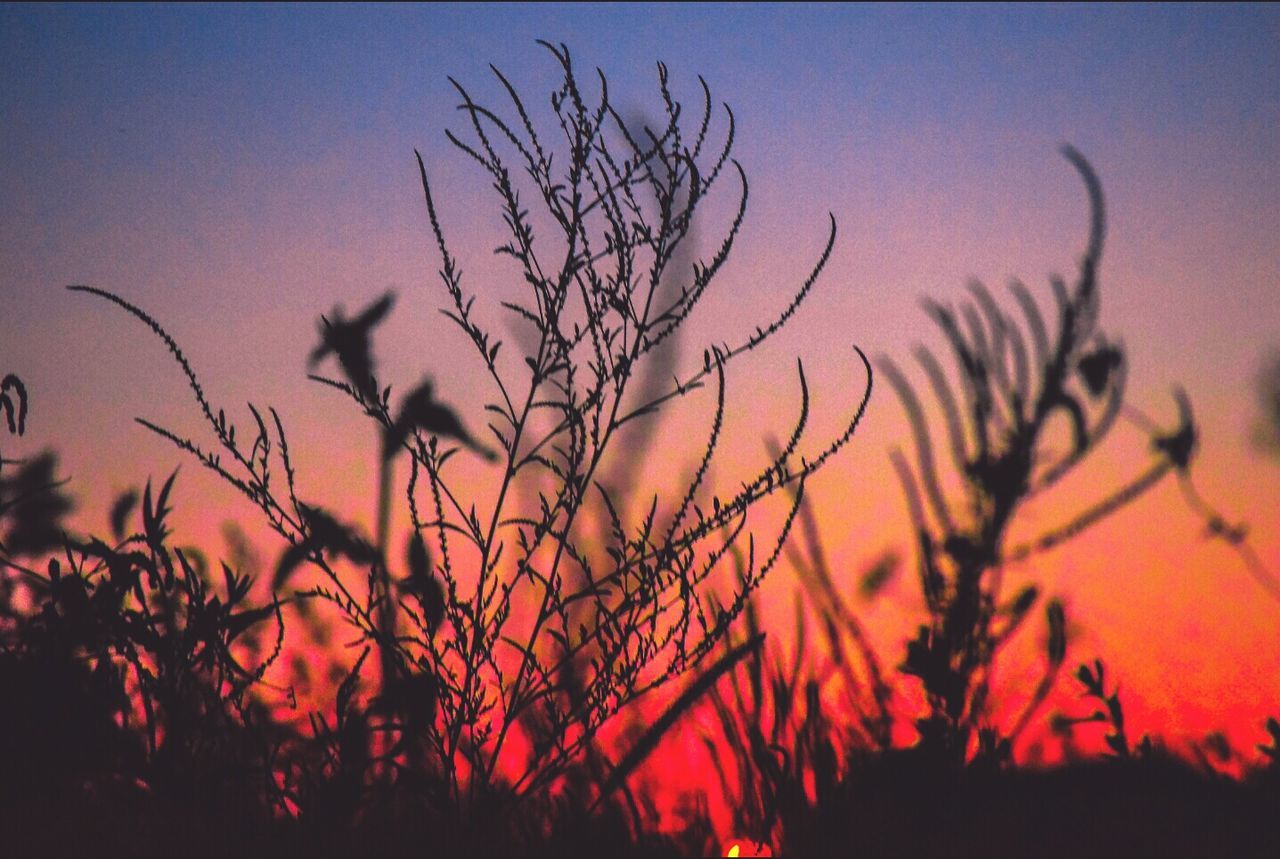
893	805
516	633
1019	379
800	778
150	698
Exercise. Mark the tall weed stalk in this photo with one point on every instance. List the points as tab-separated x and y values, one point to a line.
513	635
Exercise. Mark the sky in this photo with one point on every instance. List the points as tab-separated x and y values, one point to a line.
238	171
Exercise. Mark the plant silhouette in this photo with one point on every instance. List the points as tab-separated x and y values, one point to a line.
32	505
803	780
517	623
350	342
159	702
422	412
1016	378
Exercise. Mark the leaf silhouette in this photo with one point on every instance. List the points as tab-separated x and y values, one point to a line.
11	382
290	560
154	514
422	584
350	341
120	511
413	695
1057	632
1179	445
239	622
655	732
878	575
34	506
1096	368
421	411
325	534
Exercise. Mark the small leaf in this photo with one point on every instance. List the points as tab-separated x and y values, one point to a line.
241	621
419	560
1097	367
1180	445
423	585
120	511
1024	601
1057	632
290	561
11	381
878	575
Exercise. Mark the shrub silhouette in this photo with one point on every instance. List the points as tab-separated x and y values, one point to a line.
464	669
1016	377
132	677
795	768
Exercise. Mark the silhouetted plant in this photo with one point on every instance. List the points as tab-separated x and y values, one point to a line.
512	635
1217	526
13	402
126	693
1016	377
33	506
31	503
787	753
464	668
1094	681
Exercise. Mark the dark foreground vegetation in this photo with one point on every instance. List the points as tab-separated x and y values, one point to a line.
150	692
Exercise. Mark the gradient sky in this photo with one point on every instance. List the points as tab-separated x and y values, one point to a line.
237	171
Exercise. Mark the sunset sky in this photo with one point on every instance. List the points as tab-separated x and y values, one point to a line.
238	171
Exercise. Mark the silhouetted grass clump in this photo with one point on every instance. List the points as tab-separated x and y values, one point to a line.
491	658
1139	800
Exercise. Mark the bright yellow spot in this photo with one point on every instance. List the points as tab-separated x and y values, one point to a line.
733	851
